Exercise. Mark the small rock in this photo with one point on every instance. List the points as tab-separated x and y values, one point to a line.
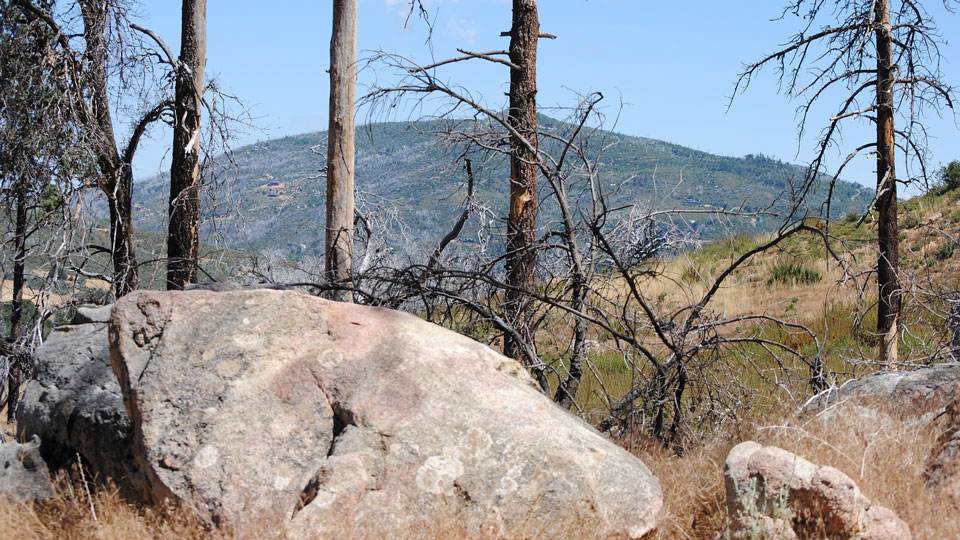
92	314
769	482
24	475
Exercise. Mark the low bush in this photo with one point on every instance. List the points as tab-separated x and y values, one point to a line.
944	252
793	274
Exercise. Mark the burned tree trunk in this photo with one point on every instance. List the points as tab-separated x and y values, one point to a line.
338	246
14	374
183	242
954	322
888	280
521	258
19	264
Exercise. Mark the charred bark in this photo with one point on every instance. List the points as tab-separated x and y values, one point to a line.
521	257
19	264
120	201
888	264
183	241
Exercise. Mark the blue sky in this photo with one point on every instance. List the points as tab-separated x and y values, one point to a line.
673	68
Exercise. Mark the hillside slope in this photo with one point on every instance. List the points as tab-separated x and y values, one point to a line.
277	194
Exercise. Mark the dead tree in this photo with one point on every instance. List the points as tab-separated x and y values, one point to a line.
338	246
953	321
39	142
520	124
521	258
42	166
889	304
183	238
86	73
887	56
107	67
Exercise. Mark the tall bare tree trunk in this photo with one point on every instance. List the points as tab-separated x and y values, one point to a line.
521	258
888	280
340	147
183	240
19	264
16	304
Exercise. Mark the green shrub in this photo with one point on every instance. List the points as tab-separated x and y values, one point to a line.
948	177
793	274
944	252
690	275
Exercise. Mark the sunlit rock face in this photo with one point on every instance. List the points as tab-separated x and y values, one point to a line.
338	420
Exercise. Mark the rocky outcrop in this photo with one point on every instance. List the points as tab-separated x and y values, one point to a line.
926	396
74	404
344	421
773	493
907	393
23	473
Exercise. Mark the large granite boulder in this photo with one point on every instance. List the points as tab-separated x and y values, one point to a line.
343	421
773	493
73	403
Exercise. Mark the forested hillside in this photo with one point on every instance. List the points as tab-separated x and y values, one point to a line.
274	197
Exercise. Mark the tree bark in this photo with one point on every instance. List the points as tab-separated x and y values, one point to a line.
521	258
568	386
16	304
19	264
120	201
953	320
340	148
183	240
888	280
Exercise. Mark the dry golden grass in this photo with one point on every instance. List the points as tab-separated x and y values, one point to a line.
694	501
883	454
105	515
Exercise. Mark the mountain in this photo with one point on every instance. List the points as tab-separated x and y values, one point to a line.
274	197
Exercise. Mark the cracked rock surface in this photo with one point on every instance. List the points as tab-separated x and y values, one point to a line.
345	421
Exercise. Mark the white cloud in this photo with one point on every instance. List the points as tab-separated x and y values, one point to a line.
466	30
